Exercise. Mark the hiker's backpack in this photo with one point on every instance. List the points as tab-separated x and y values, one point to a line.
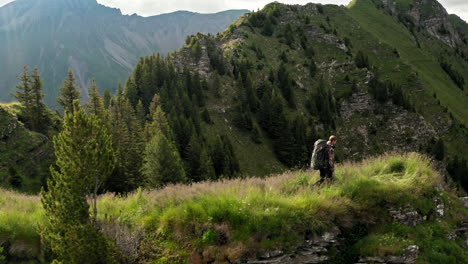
319	155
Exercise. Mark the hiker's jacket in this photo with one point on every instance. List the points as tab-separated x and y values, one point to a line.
331	157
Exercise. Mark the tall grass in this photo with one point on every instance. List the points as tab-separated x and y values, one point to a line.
233	218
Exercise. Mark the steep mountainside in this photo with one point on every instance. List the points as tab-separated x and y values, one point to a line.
94	40
382	80
253	99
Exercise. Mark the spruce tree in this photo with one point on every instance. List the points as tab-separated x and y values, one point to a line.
361	60
199	165
24	95
39	112
128	143
140	113
84	159
95	104
162	164
155	103
69	92
159	123
106	98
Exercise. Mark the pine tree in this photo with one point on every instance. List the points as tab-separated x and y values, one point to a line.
106	98
155	103
69	92
162	164
95	104
361	60
199	166
128	143
131	91
24	95
159	123
140	113
267	29
39	113
285	85
223	157
84	159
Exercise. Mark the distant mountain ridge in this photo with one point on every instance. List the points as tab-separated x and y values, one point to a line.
95	40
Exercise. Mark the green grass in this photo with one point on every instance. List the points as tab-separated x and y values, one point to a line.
228	219
423	61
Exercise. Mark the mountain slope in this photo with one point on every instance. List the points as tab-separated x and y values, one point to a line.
290	74
277	80
392	208
94	40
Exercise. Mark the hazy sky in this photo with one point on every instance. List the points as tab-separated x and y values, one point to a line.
154	7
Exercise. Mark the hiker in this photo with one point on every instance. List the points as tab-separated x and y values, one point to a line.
323	159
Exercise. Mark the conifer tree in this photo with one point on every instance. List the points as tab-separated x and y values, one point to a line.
267	29
128	143
39	112
131	90
224	159
155	103
84	159
24	95
361	60
106	98
159	123
140	113
199	165
69	92
162	164
95	104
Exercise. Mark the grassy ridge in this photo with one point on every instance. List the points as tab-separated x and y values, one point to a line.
228	219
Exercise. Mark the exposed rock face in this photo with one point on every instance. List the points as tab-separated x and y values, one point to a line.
313	250
202	65
431	16
406	215
409	257
465	201
372	122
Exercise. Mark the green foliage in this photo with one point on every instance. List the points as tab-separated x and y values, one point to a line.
68	93
24	93
95	103
361	60
198	163
325	104
268	28
128	144
2	258
458	169
162	164
277	211
84	159
196	50
223	157
34	113
106	98
160	124
456	77
216	58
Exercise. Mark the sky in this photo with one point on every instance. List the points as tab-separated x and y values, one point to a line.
155	7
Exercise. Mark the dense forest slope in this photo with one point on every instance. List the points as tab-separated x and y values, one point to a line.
378	76
393	208
252	100
95	40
